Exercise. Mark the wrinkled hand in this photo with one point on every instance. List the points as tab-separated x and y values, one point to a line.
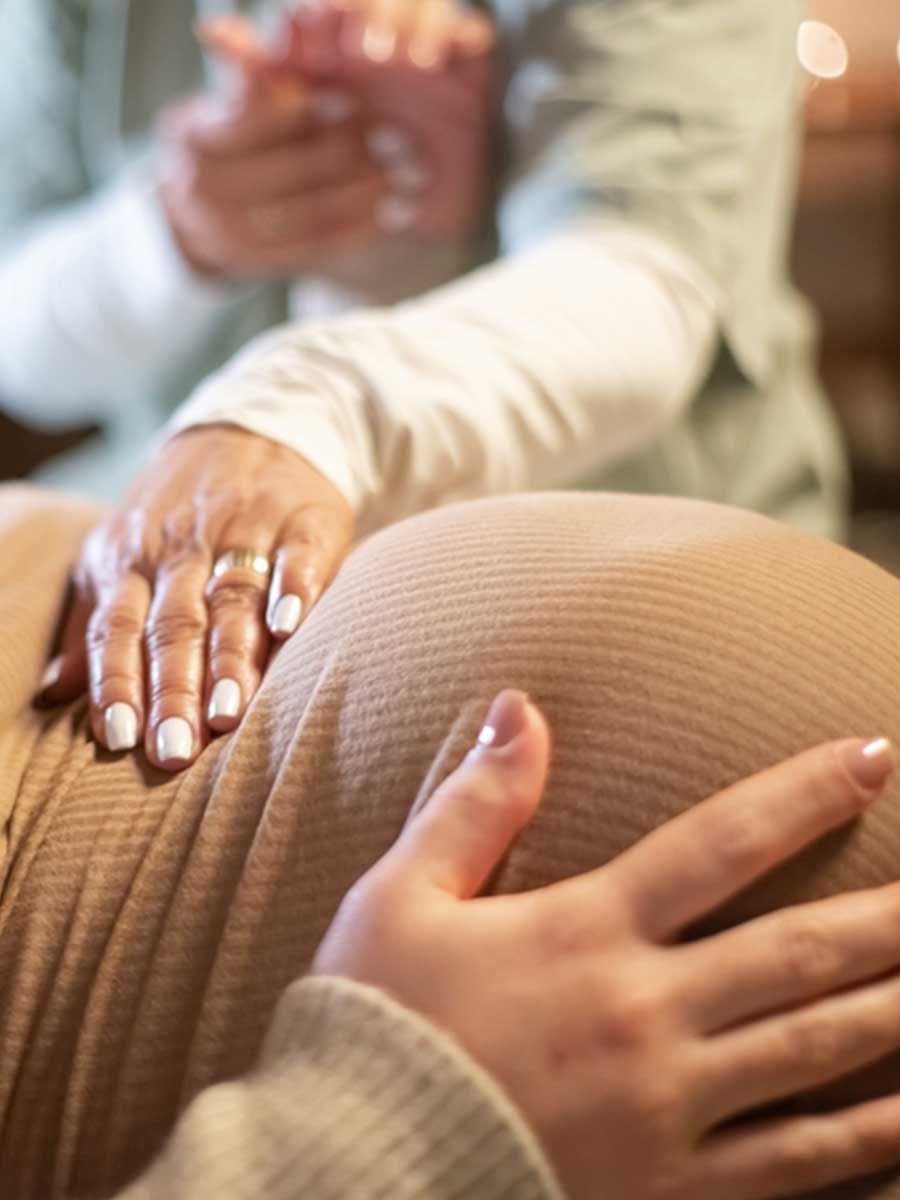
170	651
626	1050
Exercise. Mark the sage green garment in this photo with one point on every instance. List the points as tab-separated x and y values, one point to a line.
679	117
81	85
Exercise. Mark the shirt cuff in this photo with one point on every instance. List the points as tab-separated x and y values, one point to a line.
139	238
354	1096
96	299
302	417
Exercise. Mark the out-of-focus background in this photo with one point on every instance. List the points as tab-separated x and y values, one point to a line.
847	253
846	257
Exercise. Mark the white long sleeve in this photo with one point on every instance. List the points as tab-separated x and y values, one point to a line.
536	371
638	177
643	218
92	296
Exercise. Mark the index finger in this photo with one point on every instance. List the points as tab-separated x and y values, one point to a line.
223	128
693	864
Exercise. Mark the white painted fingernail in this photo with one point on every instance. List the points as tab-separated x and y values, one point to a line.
121	727
394	214
333	107
388	144
286	614
51	673
174	741
225	700
409	176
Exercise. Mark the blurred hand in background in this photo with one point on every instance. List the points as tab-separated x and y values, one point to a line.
356	124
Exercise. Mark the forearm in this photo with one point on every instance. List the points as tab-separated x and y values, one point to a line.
354	1096
94	298
536	371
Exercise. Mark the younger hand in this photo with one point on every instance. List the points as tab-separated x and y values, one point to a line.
626	1050
422	73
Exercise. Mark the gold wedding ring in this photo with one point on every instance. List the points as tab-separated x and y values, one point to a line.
242	560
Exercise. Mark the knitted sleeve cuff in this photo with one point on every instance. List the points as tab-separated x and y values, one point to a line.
354	1098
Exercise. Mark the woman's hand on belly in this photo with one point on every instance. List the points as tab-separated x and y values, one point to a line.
219	551
631	1052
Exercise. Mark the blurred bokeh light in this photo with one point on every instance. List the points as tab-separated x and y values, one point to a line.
821	50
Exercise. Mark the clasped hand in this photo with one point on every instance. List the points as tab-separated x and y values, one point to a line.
361	122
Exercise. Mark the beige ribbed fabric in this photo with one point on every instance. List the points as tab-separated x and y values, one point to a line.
149	923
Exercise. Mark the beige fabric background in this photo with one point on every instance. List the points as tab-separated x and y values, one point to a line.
148	923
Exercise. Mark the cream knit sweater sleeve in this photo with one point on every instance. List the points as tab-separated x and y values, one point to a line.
354	1098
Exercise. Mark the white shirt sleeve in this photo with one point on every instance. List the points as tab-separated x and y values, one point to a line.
533	372
92	297
637	245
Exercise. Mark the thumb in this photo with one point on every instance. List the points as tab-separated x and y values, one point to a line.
231	37
66	674
464	830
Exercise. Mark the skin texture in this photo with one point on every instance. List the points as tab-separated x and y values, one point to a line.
620	1028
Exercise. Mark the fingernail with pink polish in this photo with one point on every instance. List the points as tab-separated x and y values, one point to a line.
378	42
425	53
870	763
504	722
333	107
389	144
411	177
395	214
120	727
